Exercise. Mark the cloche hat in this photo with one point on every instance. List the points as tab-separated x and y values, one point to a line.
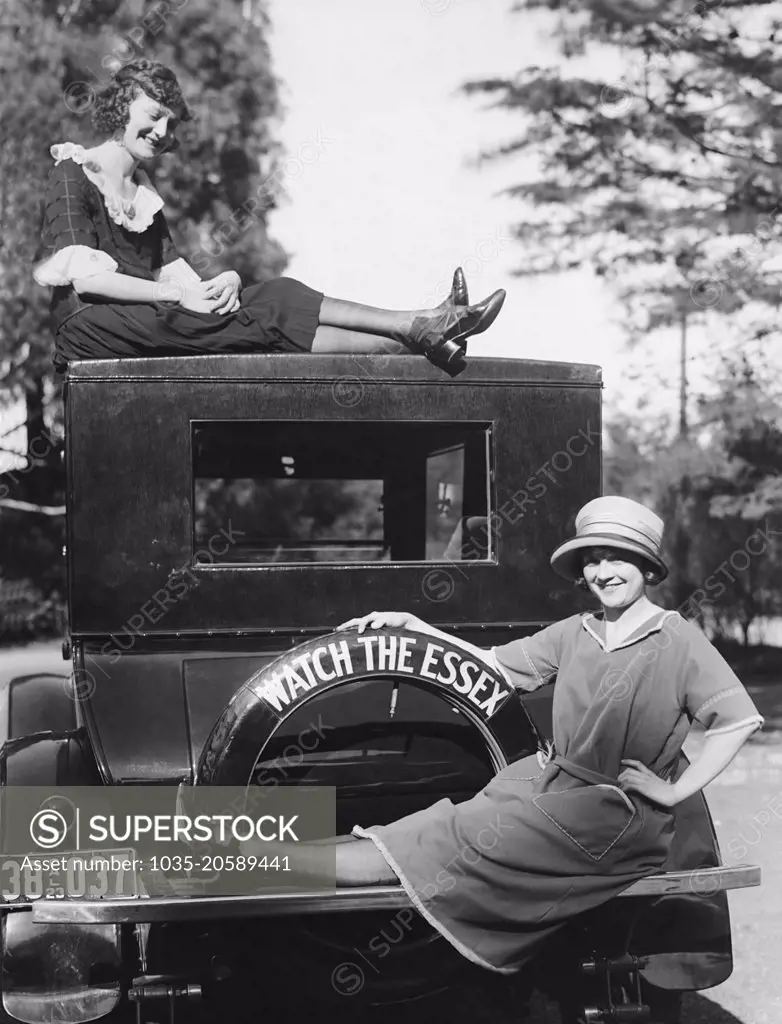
616	523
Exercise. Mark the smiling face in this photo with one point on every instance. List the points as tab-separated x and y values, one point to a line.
614	576
150	129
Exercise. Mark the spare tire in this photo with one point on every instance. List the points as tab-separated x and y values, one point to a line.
251	729
262	704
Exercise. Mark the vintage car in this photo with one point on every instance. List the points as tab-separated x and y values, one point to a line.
224	515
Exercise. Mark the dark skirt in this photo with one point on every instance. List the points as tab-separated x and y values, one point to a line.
278	316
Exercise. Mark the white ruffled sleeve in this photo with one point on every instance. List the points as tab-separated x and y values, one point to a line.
73	262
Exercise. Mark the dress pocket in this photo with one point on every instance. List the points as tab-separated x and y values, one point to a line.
593	818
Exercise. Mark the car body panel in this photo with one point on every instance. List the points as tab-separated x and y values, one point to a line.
134	435
174	695
163	638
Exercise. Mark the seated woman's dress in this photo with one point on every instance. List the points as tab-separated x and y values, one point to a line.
549	839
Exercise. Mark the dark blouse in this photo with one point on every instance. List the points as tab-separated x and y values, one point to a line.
75	214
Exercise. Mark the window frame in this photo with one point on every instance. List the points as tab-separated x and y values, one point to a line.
485	426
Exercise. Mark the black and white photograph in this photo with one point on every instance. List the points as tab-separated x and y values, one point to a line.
390	511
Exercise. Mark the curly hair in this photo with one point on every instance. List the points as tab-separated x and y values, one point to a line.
110	110
650	571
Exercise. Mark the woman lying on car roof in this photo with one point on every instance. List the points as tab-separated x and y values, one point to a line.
122	290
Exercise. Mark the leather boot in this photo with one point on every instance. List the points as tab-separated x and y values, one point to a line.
442	337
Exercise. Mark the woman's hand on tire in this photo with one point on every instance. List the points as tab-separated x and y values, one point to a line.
381	620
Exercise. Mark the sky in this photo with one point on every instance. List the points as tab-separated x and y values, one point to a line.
383	196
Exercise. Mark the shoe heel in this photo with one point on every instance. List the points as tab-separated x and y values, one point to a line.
448	356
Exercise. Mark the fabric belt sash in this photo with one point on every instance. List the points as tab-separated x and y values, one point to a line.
583	774
591	778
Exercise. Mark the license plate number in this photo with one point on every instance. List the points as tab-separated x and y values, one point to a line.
86	874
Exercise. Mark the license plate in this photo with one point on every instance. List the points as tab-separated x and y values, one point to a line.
86	875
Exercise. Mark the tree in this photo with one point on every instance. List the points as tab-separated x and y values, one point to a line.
30	112
718	490
54	56
654	157
664	160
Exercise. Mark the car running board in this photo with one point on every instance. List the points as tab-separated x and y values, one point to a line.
704	882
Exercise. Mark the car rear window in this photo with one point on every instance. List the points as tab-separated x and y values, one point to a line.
302	492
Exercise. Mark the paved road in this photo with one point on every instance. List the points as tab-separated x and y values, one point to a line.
746	803
45	656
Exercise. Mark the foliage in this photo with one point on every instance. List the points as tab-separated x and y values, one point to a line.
31	110
652	148
718	492
308	516
54	55
27	613
655	149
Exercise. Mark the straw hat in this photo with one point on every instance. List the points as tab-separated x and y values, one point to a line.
616	523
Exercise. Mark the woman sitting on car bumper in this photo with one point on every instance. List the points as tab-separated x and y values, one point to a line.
550	837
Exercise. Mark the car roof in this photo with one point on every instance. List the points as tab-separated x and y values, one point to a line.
321	367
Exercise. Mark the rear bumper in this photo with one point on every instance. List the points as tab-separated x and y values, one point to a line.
706	882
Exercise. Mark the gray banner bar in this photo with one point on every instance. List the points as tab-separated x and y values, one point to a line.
111	842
